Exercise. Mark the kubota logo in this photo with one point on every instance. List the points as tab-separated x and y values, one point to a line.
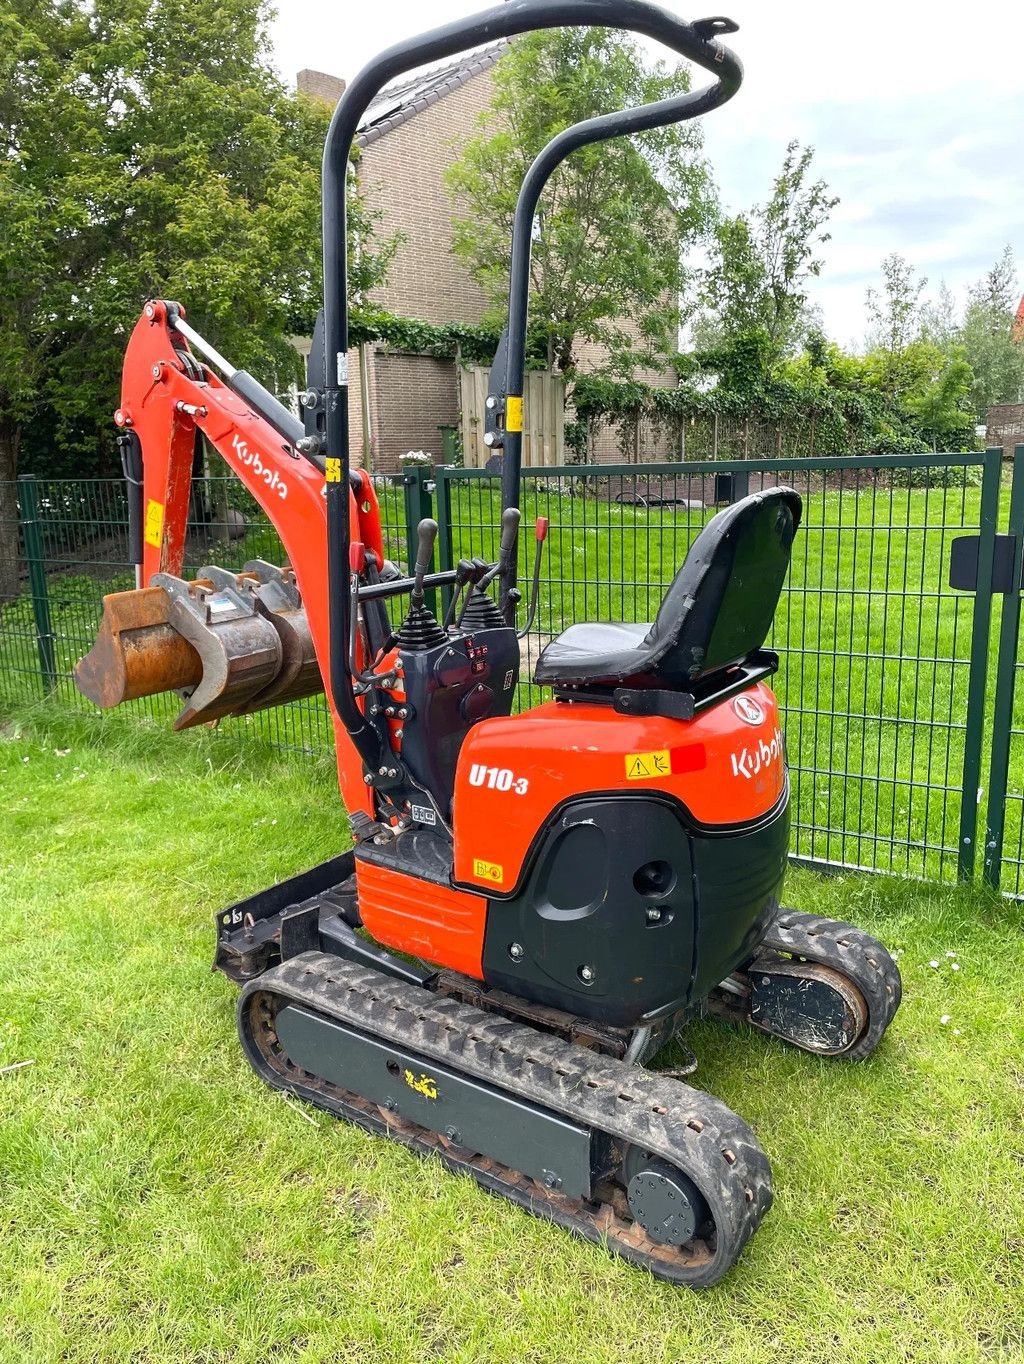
252	461
748	710
749	762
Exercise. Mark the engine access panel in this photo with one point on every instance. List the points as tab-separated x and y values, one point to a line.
450	688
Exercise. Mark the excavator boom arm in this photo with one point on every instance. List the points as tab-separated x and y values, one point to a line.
157	639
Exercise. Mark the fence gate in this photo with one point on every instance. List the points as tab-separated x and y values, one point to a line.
543	417
1004	822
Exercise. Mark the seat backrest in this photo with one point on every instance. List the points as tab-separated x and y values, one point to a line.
722	601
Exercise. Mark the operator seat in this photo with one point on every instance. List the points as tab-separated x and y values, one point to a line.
717	611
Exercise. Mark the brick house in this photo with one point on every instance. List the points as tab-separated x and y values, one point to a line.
411	134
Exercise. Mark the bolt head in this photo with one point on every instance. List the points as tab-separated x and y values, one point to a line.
492	403
653	915
382	772
489	438
515	951
156	371
150	310
368	779
587	974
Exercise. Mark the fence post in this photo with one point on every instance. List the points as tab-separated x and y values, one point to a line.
1006	677
28	504
417	485
443	488
977	684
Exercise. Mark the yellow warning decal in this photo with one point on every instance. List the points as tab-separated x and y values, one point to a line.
332	471
513	413
641	765
488	871
154	523
422	1084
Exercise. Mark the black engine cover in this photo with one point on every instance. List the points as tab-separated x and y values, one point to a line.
629	913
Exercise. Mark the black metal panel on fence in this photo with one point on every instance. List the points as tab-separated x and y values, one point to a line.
885	668
964	557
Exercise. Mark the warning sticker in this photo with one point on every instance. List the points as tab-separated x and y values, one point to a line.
154	533
641	765
513	413
332	471
488	871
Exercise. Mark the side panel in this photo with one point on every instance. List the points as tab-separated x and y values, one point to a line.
427	920
604	925
726	767
627	915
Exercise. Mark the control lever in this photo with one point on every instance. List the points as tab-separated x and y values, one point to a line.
426	534
541	532
466	571
510	519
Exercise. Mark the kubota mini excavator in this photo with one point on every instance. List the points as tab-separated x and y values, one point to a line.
535	903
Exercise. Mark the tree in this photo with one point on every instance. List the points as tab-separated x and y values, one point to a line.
995	354
614	218
894	317
763	260
939	318
147	149
941	406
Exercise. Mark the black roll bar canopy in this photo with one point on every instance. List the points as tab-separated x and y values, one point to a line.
697	42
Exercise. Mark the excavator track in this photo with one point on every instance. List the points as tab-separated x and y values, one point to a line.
631	1118
820	957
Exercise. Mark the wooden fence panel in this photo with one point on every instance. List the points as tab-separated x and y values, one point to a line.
543	417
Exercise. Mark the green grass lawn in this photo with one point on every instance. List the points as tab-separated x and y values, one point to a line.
158	1203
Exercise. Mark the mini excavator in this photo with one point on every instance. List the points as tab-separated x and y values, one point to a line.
534	903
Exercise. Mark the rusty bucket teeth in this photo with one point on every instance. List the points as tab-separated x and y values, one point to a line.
239	648
227	643
276	594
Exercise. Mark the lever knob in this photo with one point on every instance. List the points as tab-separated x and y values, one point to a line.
510	519
426	535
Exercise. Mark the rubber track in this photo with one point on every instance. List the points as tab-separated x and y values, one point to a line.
849	950
682	1125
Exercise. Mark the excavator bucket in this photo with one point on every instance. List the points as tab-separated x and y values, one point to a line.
228	644
137	651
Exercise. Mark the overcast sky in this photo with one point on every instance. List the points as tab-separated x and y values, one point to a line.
915	108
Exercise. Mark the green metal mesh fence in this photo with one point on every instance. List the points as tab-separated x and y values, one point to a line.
876	649
879	655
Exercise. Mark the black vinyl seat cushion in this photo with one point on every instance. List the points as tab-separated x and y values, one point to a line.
718	609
